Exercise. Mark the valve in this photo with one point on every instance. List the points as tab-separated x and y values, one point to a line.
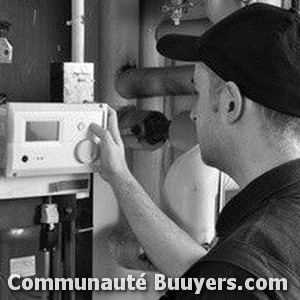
177	8
49	215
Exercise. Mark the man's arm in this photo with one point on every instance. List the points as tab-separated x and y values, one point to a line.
171	250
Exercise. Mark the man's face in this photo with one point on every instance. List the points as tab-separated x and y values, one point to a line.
205	115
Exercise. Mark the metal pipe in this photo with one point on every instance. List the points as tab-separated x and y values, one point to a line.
153	82
186	27
46	272
147	165
78	28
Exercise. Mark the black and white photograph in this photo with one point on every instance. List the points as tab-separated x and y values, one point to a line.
149	149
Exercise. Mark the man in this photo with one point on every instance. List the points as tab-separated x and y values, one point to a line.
247	116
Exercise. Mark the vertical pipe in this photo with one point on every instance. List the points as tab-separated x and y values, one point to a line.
147	165
118	46
68	245
78	30
46	272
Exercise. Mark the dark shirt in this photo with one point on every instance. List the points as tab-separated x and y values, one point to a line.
259	236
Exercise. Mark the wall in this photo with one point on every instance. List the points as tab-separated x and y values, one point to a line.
39	36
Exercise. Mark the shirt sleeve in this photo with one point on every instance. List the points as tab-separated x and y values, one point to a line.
219	271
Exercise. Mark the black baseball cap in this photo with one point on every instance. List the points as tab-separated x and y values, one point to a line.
257	47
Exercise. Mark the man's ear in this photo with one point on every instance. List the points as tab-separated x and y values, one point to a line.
232	102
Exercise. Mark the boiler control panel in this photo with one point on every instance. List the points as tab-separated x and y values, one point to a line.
49	138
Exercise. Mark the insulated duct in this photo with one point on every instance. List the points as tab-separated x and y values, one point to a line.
153	82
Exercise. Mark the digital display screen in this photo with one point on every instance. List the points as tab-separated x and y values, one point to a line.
42	131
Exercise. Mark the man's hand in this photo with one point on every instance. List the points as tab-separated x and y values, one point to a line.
171	250
111	160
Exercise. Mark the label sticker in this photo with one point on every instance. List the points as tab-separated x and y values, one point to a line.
68	185
23	266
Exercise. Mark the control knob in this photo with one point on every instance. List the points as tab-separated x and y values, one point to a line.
86	151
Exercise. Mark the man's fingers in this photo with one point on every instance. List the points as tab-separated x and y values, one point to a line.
99	131
113	125
113	128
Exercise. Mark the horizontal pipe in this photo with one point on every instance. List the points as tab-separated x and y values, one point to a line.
186	27
153	82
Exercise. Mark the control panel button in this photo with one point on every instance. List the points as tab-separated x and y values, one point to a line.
86	151
81	126
24	158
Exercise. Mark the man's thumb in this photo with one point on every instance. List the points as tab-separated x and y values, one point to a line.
99	131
